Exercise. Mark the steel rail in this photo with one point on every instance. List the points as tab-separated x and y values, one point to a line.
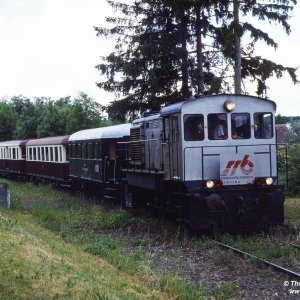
265	262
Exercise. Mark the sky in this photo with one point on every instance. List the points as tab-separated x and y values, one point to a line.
49	48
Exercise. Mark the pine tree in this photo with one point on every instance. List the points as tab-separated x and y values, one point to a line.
231	35
167	50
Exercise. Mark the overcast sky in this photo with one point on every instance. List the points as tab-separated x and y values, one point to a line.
49	48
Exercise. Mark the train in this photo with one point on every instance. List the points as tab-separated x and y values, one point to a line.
210	162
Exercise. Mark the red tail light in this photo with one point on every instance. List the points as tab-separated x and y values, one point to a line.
259	181
218	183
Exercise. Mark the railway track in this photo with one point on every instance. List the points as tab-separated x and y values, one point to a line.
274	266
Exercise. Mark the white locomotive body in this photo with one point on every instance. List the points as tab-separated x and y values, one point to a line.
211	161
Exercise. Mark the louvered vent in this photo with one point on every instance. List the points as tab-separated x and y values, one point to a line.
136	144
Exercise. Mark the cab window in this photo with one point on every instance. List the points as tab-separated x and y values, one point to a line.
240	126
263	125
217	126
193	127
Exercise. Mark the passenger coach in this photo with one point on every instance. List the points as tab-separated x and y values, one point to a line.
13	157
98	155
47	158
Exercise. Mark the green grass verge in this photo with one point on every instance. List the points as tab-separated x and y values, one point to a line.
36	264
57	246
265	247
292	209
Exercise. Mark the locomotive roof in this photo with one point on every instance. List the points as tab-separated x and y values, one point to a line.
176	108
15	143
147	119
55	140
110	132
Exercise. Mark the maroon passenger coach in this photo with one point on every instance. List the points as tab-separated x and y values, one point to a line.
47	158
13	157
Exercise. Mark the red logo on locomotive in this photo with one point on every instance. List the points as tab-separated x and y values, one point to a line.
245	165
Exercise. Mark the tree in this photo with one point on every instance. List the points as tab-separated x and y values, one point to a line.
53	120
83	113
247	65
142	75
153	63
166	50
28	120
7	120
279	119
293	132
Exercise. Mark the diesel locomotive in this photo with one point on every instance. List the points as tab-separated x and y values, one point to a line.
210	162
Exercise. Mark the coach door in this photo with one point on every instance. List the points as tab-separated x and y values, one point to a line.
174	147
110	162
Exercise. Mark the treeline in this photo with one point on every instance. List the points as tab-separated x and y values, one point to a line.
23	118
169	50
286	119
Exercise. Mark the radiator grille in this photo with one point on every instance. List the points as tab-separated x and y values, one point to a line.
136	144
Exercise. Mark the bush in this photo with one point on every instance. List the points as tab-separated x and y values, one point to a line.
294	169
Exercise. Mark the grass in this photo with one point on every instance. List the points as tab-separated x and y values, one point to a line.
56	246
36	264
292	209
59	246
264	247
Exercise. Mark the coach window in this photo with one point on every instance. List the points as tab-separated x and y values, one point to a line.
263	125
79	151
56	154
90	151
96	150
70	148
30	153
34	153
42	153
84	151
46	153
217	126
75	150
193	127
51	152
100	150
63	154
74	154
93	150
23	153
240	126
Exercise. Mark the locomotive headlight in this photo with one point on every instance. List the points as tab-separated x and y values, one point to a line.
209	184
269	180
229	105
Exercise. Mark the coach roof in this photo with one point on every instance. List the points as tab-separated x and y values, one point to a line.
15	143
110	132
56	140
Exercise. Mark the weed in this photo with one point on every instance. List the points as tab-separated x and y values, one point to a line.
263	247
292	209
229	290
224	258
